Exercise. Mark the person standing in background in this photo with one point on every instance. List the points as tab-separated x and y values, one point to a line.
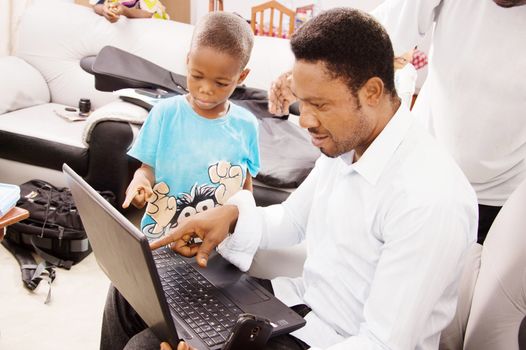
474	97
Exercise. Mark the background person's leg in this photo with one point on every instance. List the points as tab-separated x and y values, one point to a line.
120	322
487	214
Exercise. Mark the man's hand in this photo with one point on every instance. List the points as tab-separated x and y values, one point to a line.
138	193
211	226
280	95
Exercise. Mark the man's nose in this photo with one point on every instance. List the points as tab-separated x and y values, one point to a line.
308	119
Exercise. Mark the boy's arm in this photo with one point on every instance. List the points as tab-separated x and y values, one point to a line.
140	188
135	13
248	183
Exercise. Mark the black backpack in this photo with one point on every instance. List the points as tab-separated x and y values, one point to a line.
53	230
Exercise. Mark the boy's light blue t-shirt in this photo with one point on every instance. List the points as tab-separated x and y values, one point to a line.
198	162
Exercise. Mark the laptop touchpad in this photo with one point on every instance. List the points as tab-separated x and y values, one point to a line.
246	293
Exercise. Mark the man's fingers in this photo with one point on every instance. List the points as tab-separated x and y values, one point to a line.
175	235
204	251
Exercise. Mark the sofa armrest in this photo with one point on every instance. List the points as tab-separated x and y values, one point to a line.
110	168
22	85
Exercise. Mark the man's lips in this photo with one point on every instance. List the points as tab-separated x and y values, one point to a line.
317	140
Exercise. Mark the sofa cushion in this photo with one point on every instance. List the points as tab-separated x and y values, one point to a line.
22	85
42	122
36	135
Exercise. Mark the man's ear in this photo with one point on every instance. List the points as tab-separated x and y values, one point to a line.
372	91
243	75
187	58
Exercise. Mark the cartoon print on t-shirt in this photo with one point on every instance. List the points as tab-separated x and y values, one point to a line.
161	208
200	198
167	211
229	177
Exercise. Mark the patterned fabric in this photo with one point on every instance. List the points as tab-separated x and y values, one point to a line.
419	59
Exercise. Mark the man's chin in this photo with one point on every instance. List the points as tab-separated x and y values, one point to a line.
328	153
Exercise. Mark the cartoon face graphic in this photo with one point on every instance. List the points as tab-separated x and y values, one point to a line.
200	198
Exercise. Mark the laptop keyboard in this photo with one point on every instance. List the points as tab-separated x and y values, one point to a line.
201	305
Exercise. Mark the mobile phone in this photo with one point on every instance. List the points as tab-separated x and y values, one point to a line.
250	332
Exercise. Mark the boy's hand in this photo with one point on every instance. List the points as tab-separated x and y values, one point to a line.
280	95
137	193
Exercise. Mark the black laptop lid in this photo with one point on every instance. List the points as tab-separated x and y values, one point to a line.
124	255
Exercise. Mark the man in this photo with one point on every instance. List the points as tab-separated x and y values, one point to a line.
474	97
387	215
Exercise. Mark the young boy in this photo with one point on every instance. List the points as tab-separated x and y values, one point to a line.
198	149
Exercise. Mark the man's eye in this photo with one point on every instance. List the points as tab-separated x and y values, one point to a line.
197	77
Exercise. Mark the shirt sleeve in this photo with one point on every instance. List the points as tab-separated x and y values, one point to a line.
276	226
144	148
406	21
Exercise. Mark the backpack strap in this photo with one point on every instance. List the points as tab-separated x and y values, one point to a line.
53	260
32	273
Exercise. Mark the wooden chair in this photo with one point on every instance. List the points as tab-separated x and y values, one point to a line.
215	5
272	5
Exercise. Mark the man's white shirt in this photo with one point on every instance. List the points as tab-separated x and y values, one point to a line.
385	236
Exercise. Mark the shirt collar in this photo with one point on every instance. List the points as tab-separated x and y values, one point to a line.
375	158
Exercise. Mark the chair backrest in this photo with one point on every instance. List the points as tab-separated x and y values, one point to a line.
499	297
271	6
215	5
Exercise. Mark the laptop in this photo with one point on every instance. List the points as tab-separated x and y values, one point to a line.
173	295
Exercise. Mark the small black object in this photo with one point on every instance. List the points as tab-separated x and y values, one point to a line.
70	109
250	332
84	106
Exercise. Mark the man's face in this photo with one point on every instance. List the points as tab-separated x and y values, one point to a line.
329	111
510	3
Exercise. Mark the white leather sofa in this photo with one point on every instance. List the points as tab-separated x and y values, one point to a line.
44	75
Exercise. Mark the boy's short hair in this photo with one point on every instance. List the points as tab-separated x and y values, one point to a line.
225	32
352	44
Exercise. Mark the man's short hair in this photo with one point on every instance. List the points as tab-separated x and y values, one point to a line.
225	32
353	46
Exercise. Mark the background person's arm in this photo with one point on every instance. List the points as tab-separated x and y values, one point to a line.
135	13
407	21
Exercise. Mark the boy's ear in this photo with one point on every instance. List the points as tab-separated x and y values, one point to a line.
243	75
